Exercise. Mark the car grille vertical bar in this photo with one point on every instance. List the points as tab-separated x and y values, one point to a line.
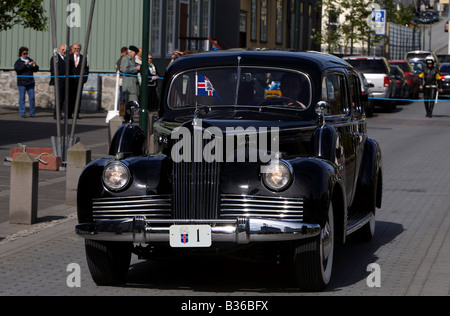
196	190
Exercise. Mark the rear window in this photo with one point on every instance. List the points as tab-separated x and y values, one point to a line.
417	55
368	65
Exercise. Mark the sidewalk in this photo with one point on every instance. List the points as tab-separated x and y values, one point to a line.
91	129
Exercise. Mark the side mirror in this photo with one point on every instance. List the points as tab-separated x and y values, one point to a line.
322	108
131	110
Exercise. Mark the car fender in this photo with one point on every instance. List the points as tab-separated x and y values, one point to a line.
129	140
148	176
371	172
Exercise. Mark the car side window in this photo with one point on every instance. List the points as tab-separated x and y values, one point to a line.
354	94
333	92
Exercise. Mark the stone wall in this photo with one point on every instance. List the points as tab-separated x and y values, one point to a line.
45	94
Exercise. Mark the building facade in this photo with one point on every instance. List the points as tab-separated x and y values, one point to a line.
174	24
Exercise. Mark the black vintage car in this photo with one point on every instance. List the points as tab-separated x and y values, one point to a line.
256	150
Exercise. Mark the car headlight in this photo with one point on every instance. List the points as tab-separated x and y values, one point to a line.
277	175
116	176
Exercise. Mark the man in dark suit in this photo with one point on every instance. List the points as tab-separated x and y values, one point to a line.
61	72
75	62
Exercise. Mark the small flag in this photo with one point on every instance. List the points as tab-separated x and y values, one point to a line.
205	87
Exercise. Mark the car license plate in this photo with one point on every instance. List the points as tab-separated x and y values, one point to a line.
189	236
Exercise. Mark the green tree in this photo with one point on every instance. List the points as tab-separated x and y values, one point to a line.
357	29
28	13
332	32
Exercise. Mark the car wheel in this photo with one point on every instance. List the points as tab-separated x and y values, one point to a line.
108	262
314	258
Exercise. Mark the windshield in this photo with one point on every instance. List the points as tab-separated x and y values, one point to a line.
255	87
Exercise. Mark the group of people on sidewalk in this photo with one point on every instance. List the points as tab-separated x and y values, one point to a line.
25	67
129	65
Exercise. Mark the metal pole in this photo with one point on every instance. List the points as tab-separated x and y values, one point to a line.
66	101
143	117
55	67
83	66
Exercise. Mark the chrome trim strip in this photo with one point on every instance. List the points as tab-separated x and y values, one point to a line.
129	207
241	230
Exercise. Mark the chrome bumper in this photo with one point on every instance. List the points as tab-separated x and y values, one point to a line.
241	230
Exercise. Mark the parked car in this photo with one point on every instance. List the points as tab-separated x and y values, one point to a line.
402	86
443	58
377	71
426	17
435	15
411	77
421	55
445	73
213	186
367	95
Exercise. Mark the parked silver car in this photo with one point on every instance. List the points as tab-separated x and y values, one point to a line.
377	71
421	55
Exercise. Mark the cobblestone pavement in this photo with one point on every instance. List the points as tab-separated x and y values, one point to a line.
411	245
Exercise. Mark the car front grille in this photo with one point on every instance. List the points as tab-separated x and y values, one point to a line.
196	190
152	207
233	206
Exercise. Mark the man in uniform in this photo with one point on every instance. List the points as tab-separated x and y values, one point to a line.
431	81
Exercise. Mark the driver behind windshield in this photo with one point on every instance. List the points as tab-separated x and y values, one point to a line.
291	88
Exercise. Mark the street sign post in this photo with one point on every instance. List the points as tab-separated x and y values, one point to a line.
379	22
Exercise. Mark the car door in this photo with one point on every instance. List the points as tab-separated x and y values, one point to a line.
335	92
358	127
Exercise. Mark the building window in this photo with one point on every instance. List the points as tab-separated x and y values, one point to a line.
279	22
206	18
254	19
155	44
170	27
264	18
195	18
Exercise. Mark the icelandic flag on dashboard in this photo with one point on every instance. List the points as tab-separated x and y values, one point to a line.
205	87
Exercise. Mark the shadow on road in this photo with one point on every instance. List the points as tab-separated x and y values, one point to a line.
221	274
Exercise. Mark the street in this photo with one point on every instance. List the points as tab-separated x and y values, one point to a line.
408	255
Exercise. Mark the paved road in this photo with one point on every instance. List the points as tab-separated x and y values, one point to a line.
411	246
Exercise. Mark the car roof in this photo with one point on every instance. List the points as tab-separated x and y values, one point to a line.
312	61
398	61
363	57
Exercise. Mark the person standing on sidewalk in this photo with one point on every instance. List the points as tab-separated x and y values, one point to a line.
25	67
431	82
153	100
75	62
61	80
130	82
